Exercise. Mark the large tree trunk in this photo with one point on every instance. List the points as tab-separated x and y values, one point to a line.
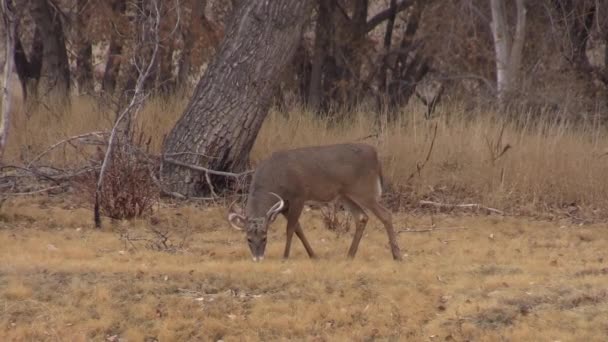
197	16
55	73
508	53
84	51
9	23
322	41
232	99
112	69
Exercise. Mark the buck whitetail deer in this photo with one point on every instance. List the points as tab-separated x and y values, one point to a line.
284	182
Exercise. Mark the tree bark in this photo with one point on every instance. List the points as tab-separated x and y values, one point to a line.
185	61
322	40
232	99
501	46
508	53
9	21
55	73
114	53
84	53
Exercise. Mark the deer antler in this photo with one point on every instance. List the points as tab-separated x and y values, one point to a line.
275	209
232	214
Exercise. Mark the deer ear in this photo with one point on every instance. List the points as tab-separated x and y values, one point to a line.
236	221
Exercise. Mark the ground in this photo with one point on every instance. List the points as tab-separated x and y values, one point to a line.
476	278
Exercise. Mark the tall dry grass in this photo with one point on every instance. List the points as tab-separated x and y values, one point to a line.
551	164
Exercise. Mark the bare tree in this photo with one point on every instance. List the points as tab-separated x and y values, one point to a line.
232	99
8	20
508	51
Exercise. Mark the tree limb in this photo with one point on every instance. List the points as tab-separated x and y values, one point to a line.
206	170
386	14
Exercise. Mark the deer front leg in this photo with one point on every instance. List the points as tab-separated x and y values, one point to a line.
293	215
300	234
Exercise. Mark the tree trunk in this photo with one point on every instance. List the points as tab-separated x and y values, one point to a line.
9	21
232	99
322	42
110	74
508	53
501	46
55	73
185	61
84	53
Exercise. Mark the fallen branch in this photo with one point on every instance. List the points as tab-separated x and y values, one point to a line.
35	192
54	146
432	229
206	170
470	205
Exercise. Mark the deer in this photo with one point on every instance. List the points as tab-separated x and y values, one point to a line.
287	180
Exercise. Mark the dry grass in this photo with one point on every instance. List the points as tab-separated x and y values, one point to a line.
550	166
501	279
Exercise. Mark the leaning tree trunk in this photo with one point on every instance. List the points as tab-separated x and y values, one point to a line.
232	99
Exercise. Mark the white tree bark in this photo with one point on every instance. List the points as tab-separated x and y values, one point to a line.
518	44
508	53
8	19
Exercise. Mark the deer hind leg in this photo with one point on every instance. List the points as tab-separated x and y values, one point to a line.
292	215
361	219
384	215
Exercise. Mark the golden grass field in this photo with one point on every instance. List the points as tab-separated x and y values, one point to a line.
540	273
496	279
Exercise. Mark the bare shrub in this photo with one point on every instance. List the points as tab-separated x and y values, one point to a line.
335	219
129	190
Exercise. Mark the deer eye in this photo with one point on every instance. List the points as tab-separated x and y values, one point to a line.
249	240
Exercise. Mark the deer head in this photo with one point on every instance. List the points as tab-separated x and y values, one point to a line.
255	223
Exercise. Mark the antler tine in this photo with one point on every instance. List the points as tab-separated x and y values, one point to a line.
232	205
277	207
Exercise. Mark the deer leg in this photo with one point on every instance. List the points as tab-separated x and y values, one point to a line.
361	219
293	214
384	215
300	234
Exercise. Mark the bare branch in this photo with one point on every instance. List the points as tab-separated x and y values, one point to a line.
469	206
386	14
54	146
432	229
130	111
428	156
204	169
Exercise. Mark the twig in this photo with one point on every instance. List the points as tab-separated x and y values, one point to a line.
432	229
469	205
54	146
211	188
428	156
204	169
